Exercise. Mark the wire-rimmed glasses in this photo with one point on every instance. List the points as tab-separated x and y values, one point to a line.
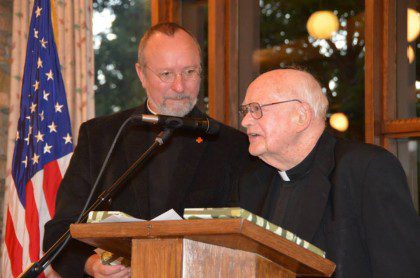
167	76
256	109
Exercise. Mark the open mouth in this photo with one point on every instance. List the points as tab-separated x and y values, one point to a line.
253	135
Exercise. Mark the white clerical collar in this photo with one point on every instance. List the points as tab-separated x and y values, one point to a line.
150	109
284	175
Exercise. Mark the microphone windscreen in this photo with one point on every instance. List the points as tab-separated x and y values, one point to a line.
214	127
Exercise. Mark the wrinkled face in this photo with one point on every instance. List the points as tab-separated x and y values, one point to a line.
176	55
272	134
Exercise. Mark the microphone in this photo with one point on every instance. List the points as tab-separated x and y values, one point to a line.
204	125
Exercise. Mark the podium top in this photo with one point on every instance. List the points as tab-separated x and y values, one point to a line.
231	233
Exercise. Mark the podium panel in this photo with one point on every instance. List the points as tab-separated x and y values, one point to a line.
203	248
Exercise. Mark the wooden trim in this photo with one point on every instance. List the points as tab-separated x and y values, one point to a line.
389	75
401	136
373	66
232	68
165	10
216	62
223	61
401	126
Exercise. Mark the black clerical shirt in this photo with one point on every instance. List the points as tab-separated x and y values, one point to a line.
161	170
285	192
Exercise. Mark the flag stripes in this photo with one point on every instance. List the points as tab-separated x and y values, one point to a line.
42	151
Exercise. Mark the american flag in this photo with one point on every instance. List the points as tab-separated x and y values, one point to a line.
42	149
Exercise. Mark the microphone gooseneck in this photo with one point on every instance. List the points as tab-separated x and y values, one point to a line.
204	125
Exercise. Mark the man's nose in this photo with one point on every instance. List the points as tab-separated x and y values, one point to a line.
247	120
178	84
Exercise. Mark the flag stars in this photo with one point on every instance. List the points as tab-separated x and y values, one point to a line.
47	148
50	75
39	63
67	139
58	107
17	135
39	137
41	115
33	107
36	34
52	127
38	11
36	85
27	140
25	161
43	43
35	159
46	95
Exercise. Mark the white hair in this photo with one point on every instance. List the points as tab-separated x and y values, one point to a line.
310	91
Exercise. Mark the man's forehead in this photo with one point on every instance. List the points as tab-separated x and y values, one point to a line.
180	36
265	92
163	45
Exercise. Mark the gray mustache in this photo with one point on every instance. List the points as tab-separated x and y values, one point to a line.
177	97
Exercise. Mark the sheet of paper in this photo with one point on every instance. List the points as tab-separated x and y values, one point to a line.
168	215
119	218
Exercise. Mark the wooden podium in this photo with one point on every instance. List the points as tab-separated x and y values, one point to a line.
203	248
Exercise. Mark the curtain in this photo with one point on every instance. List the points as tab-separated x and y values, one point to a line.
73	37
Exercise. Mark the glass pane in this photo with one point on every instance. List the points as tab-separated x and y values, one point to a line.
408	59
194	18
118	27
274	34
408	152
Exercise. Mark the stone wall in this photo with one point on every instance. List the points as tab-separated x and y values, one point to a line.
6	20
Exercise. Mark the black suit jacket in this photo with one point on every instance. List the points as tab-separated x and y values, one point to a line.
202	177
356	206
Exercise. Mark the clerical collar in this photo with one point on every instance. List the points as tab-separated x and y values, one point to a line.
150	109
301	169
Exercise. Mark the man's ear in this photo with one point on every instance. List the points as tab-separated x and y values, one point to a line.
141	75
304	116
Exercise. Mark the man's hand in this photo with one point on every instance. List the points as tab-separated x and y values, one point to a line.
95	268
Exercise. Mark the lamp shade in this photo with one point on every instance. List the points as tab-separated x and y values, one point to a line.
322	24
410	54
339	121
413	24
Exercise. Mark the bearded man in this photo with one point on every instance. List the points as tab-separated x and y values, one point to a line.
188	171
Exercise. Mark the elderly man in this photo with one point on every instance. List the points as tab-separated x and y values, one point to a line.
189	171
349	199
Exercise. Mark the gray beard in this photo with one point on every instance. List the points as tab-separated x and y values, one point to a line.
179	110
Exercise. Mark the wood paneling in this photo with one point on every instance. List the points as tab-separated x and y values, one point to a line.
165	10
158	258
208	260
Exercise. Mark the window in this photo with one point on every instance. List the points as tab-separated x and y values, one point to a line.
118	27
325	39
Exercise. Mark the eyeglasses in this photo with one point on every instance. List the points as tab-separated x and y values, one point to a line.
256	109
170	76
